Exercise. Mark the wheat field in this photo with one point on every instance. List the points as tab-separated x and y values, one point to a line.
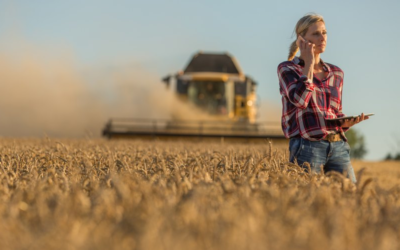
99	194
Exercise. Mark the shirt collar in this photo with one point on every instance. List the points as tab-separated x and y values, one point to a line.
300	62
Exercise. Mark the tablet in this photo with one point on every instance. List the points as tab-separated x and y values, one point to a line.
348	117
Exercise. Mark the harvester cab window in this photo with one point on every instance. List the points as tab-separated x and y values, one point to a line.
209	96
182	86
240	88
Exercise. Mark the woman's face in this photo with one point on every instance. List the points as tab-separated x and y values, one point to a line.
317	35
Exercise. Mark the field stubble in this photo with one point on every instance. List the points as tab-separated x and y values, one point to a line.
97	194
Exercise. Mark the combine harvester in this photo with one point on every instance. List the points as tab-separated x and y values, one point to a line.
216	85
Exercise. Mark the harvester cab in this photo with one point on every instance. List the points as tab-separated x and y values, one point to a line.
216	84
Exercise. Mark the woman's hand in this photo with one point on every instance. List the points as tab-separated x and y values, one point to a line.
306	50
351	122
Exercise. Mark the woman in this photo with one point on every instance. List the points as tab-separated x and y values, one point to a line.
311	92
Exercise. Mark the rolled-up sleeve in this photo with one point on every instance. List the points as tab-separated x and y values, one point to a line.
294	87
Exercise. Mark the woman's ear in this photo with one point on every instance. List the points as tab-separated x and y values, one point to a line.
298	41
299	38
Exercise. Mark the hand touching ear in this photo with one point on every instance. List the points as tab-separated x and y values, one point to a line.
306	50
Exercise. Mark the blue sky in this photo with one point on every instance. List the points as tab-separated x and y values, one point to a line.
363	39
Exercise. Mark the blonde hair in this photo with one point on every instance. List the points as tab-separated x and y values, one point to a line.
301	29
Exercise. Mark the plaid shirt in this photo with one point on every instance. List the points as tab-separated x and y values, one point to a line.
306	106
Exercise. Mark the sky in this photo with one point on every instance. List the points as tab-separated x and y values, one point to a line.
159	37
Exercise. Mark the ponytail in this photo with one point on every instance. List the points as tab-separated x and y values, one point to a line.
293	50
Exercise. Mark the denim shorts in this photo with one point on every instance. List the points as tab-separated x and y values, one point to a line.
333	156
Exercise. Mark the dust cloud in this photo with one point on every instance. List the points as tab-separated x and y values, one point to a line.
46	94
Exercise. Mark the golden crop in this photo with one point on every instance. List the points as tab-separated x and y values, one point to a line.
97	194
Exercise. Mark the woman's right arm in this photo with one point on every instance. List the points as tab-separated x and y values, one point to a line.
298	89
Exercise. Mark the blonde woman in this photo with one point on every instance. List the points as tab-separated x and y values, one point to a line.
311	92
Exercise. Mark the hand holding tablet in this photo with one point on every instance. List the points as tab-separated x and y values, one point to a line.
349	121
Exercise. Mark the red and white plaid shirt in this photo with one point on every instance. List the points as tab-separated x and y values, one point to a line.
306	106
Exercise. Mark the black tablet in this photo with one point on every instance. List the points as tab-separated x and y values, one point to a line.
348	117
